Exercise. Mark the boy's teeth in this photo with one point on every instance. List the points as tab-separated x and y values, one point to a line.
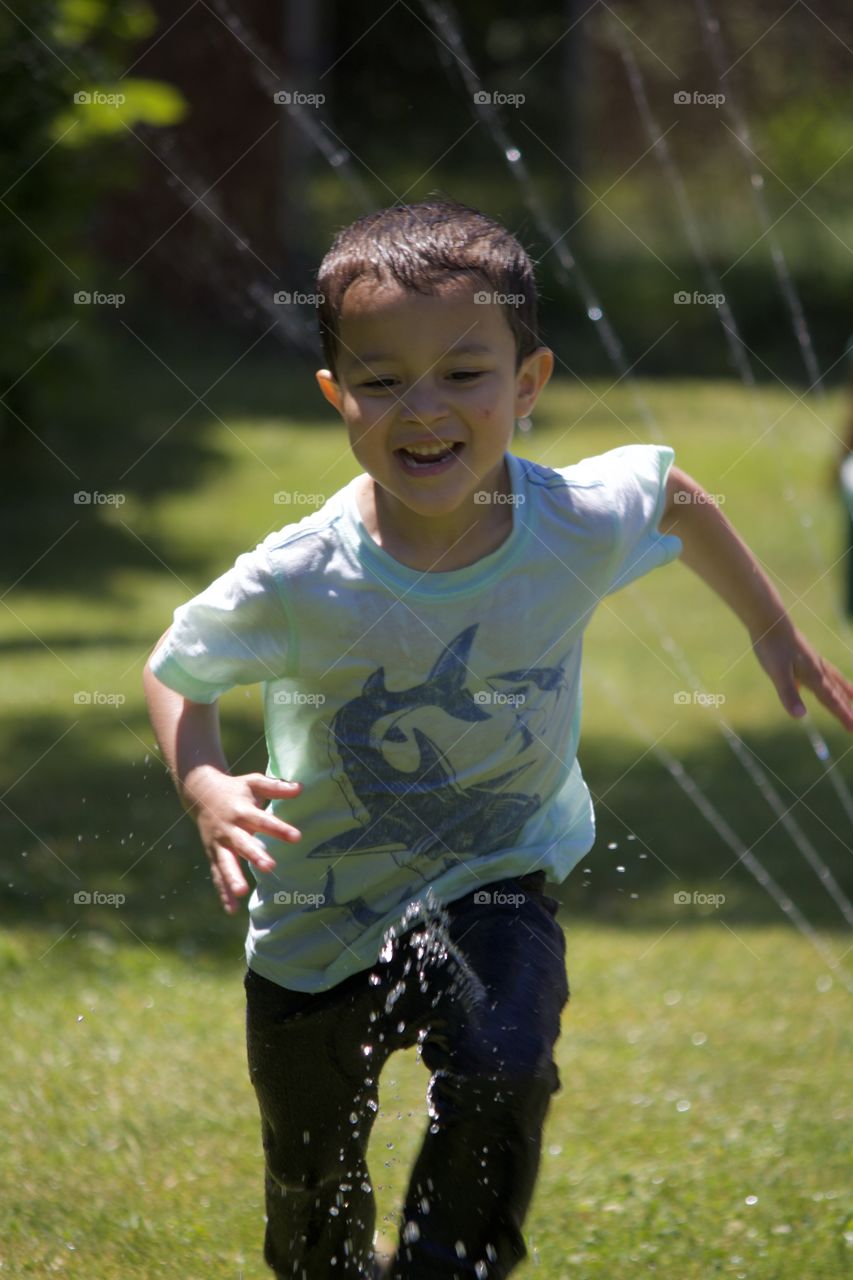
429	450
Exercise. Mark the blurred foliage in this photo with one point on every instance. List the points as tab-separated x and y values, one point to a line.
64	83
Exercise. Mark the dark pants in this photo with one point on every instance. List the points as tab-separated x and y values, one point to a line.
482	995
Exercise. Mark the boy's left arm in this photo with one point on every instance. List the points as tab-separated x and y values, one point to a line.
713	549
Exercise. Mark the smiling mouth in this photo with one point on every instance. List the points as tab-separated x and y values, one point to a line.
429	458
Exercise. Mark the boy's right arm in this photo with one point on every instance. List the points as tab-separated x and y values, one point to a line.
225	807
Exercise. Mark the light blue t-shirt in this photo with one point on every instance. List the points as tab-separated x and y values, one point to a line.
432	718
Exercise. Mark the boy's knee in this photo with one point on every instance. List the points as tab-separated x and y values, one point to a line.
518	1087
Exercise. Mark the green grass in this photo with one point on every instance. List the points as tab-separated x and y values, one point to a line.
131	1132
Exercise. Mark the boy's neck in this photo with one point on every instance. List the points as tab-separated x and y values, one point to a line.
436	544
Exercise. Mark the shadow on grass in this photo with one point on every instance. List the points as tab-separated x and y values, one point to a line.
134	428
84	819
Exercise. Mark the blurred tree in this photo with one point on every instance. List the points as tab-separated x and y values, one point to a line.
62	113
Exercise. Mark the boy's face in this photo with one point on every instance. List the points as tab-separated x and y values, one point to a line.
428	387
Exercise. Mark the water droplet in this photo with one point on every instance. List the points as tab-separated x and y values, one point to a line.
620	868
682	1105
671	997
751	1200
614	844
460	1249
79	1017
513	155
698	1037
757	181
481	1271
595	313
411	1232
824	982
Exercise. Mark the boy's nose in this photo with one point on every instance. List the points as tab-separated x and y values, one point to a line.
424	407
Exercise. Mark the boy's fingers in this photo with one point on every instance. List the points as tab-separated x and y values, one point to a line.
252	850
229	869
264	821
273	786
225	896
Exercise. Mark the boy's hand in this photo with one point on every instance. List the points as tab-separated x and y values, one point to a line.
226	809
790	661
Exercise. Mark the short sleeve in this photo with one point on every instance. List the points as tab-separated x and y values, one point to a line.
236	631
635	476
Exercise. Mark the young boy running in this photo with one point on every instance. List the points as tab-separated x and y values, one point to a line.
419	642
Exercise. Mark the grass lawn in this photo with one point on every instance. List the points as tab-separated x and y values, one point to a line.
703	1120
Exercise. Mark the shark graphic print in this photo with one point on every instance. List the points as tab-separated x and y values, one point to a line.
391	754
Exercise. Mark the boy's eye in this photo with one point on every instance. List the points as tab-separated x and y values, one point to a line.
385	384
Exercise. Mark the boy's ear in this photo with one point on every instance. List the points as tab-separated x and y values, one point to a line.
330	389
533	373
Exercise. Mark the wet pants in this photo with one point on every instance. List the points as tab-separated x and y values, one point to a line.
485	1011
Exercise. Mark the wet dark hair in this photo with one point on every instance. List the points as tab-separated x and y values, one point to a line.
420	245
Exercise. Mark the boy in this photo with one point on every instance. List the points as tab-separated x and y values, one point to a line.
419	640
